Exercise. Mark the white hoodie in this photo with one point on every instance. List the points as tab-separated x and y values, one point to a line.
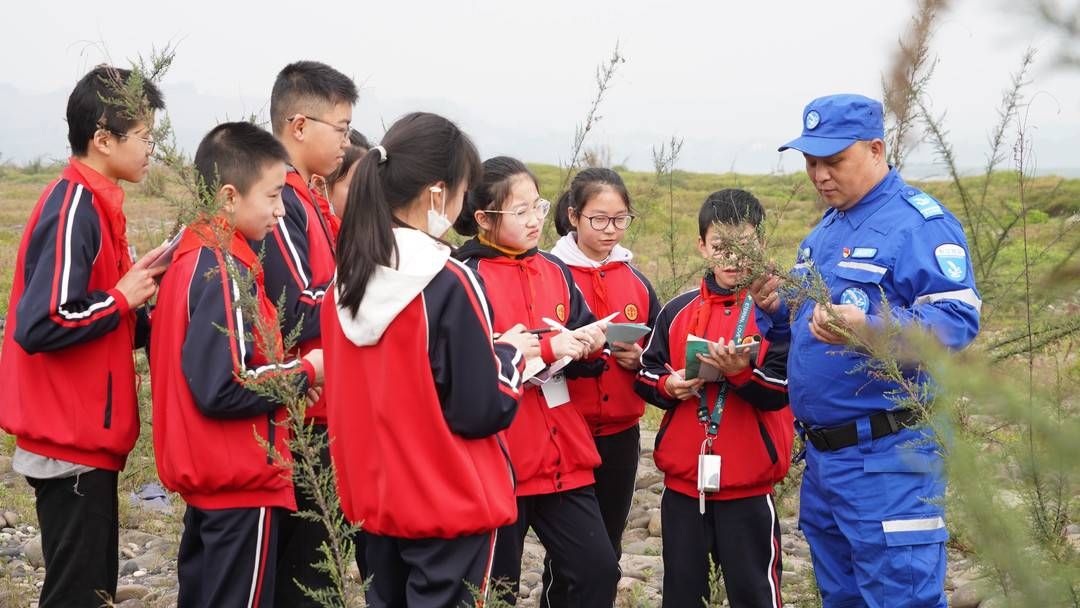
567	250
389	290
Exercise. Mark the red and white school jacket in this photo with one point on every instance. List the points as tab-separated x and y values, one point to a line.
608	401
205	420
551	447
67	378
299	262
417	399
756	430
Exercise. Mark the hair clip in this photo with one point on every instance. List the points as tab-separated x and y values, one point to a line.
383	156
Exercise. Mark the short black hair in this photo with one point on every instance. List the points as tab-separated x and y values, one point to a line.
730	206
235	153
303	86
88	109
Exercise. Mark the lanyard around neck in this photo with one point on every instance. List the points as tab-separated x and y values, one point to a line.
712	423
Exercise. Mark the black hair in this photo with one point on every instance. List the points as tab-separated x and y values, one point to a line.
357	140
358	147
730	206
585	185
306	86
491	191
235	153
88	108
421	149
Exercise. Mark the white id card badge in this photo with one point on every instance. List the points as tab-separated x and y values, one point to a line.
555	390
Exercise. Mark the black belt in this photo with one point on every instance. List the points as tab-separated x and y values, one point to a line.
846	435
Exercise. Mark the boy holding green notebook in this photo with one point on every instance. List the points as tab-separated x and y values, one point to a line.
726	436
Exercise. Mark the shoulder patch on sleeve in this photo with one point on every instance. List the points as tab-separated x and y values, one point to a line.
952	260
925	204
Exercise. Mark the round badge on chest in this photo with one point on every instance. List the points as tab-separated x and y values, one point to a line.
856	297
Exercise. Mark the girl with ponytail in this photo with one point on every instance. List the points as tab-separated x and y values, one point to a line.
417	392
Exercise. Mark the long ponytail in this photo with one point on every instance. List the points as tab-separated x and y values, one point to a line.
419	149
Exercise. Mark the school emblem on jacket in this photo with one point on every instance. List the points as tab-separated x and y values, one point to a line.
560	312
952	260
856	297
631	312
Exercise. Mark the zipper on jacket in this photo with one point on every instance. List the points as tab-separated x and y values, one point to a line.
270	432
768	442
108	402
509	464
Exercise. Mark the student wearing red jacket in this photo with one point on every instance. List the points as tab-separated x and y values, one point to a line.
743	418
418	445
550	444
592	216
66	371
310	111
206	420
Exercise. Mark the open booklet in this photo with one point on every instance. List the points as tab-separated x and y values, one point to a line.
709	373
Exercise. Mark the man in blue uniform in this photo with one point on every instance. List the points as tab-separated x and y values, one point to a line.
869	502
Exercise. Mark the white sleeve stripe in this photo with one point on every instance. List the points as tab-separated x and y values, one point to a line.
292	250
513	381
770	379
65	277
967	296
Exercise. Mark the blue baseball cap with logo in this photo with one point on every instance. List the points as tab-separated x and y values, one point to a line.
832	123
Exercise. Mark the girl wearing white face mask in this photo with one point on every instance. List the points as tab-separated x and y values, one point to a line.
417	393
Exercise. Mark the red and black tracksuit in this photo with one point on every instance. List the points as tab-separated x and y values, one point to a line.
208	424
418	446
299	263
552	448
739	528
67	376
610	406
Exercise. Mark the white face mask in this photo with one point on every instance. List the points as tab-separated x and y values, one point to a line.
437	222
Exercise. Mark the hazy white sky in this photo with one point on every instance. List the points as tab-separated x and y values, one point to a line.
730	78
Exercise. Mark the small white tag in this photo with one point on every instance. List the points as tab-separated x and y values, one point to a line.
555	391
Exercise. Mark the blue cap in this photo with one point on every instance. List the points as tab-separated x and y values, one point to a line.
832	123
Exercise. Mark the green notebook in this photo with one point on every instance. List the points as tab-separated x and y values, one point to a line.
697	369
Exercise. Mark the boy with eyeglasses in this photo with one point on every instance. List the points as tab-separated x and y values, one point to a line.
310	111
75	313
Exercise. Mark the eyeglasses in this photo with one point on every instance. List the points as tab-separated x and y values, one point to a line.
342	131
601	222
539	208
150	143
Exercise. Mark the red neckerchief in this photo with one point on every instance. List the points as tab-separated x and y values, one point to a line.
699	320
322	206
602	308
109	197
